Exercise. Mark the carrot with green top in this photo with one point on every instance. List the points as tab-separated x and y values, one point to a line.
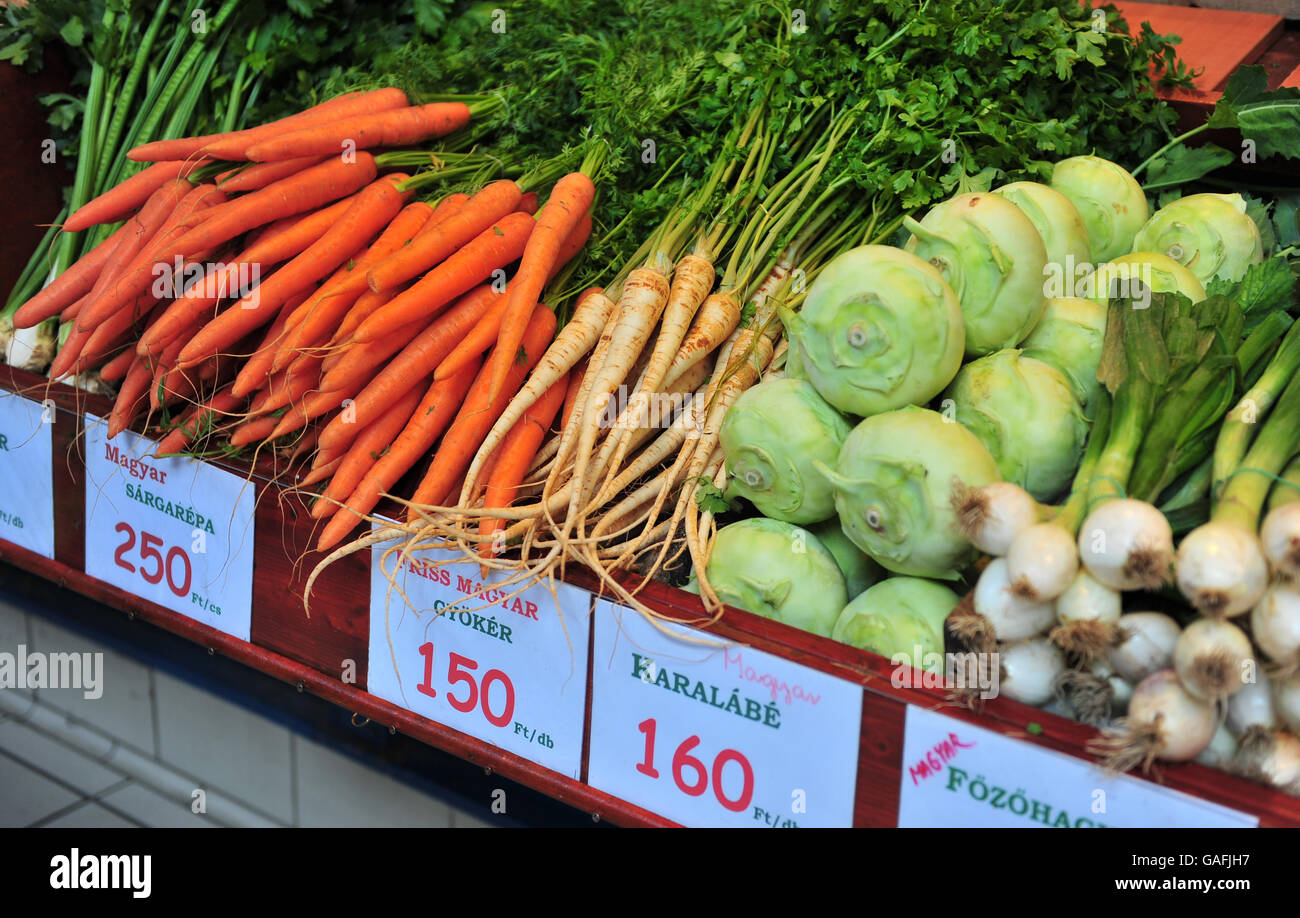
397	127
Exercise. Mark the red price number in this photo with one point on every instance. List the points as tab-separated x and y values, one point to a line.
460	669
174	566
690	774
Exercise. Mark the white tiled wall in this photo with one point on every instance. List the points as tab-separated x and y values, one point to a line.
244	762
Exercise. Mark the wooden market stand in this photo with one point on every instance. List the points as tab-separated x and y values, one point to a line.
304	651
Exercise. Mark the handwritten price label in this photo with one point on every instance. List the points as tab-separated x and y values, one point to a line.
508	669
177	532
958	775
712	735
26	450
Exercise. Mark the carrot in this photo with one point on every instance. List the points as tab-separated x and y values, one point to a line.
493	248
323	312
368	448
425	350
516	453
273	247
436	409
299	379
126	196
486	333
320	472
130	395
479	413
570	200
256	370
253	431
197	423
393	128
578	336
160	371
492	203
260	175
372	209
307	190
70	312
116	368
232	144
77	281
311	406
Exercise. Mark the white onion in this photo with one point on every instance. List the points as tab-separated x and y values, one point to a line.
1274	759
1029	671
1168	722
1147	645
1280	535
1213	658
1042	561
992	516
1275	621
1252	707
1127	545
1013	618
1088	600
1287	696
1221	569
1221	751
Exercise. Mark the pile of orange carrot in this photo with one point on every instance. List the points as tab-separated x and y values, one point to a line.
270	287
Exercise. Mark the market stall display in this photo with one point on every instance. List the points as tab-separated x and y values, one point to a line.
839	362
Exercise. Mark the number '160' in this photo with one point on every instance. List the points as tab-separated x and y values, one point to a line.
684	761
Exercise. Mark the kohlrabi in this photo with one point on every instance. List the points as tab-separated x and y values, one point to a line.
1026	413
779	571
1209	234
880	329
1069	336
1110	201
1136	276
897	616
991	255
771	437
858	569
894	482
1061	227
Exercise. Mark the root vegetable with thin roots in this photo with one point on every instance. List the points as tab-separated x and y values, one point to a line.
1280	534
1146	645
1127	544
992	516
1088	612
1272	758
1213	659
1164	721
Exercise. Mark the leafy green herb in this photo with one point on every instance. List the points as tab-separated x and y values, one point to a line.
710	499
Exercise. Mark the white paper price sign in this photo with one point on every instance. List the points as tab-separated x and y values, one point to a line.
714	735
26	449
510	670
177	532
958	775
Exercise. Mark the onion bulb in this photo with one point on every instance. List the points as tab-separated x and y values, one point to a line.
1146	645
1275	623
1280	535
1030	670
1272	758
992	516
1042	562
1127	545
1252	708
1213	658
1088	612
1164	722
1287	697
1012	617
1221	569
1222	750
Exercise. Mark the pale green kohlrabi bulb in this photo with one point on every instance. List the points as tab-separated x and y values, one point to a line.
771	437
779	571
1109	199
857	567
1025	412
894	482
1135	276
879	329
1069	337
1209	234
991	255
897	616
1061	227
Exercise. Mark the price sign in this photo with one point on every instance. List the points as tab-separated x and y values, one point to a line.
177	532
504	664
958	775
709	734
26	451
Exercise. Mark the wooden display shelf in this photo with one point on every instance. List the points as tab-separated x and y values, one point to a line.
306	652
